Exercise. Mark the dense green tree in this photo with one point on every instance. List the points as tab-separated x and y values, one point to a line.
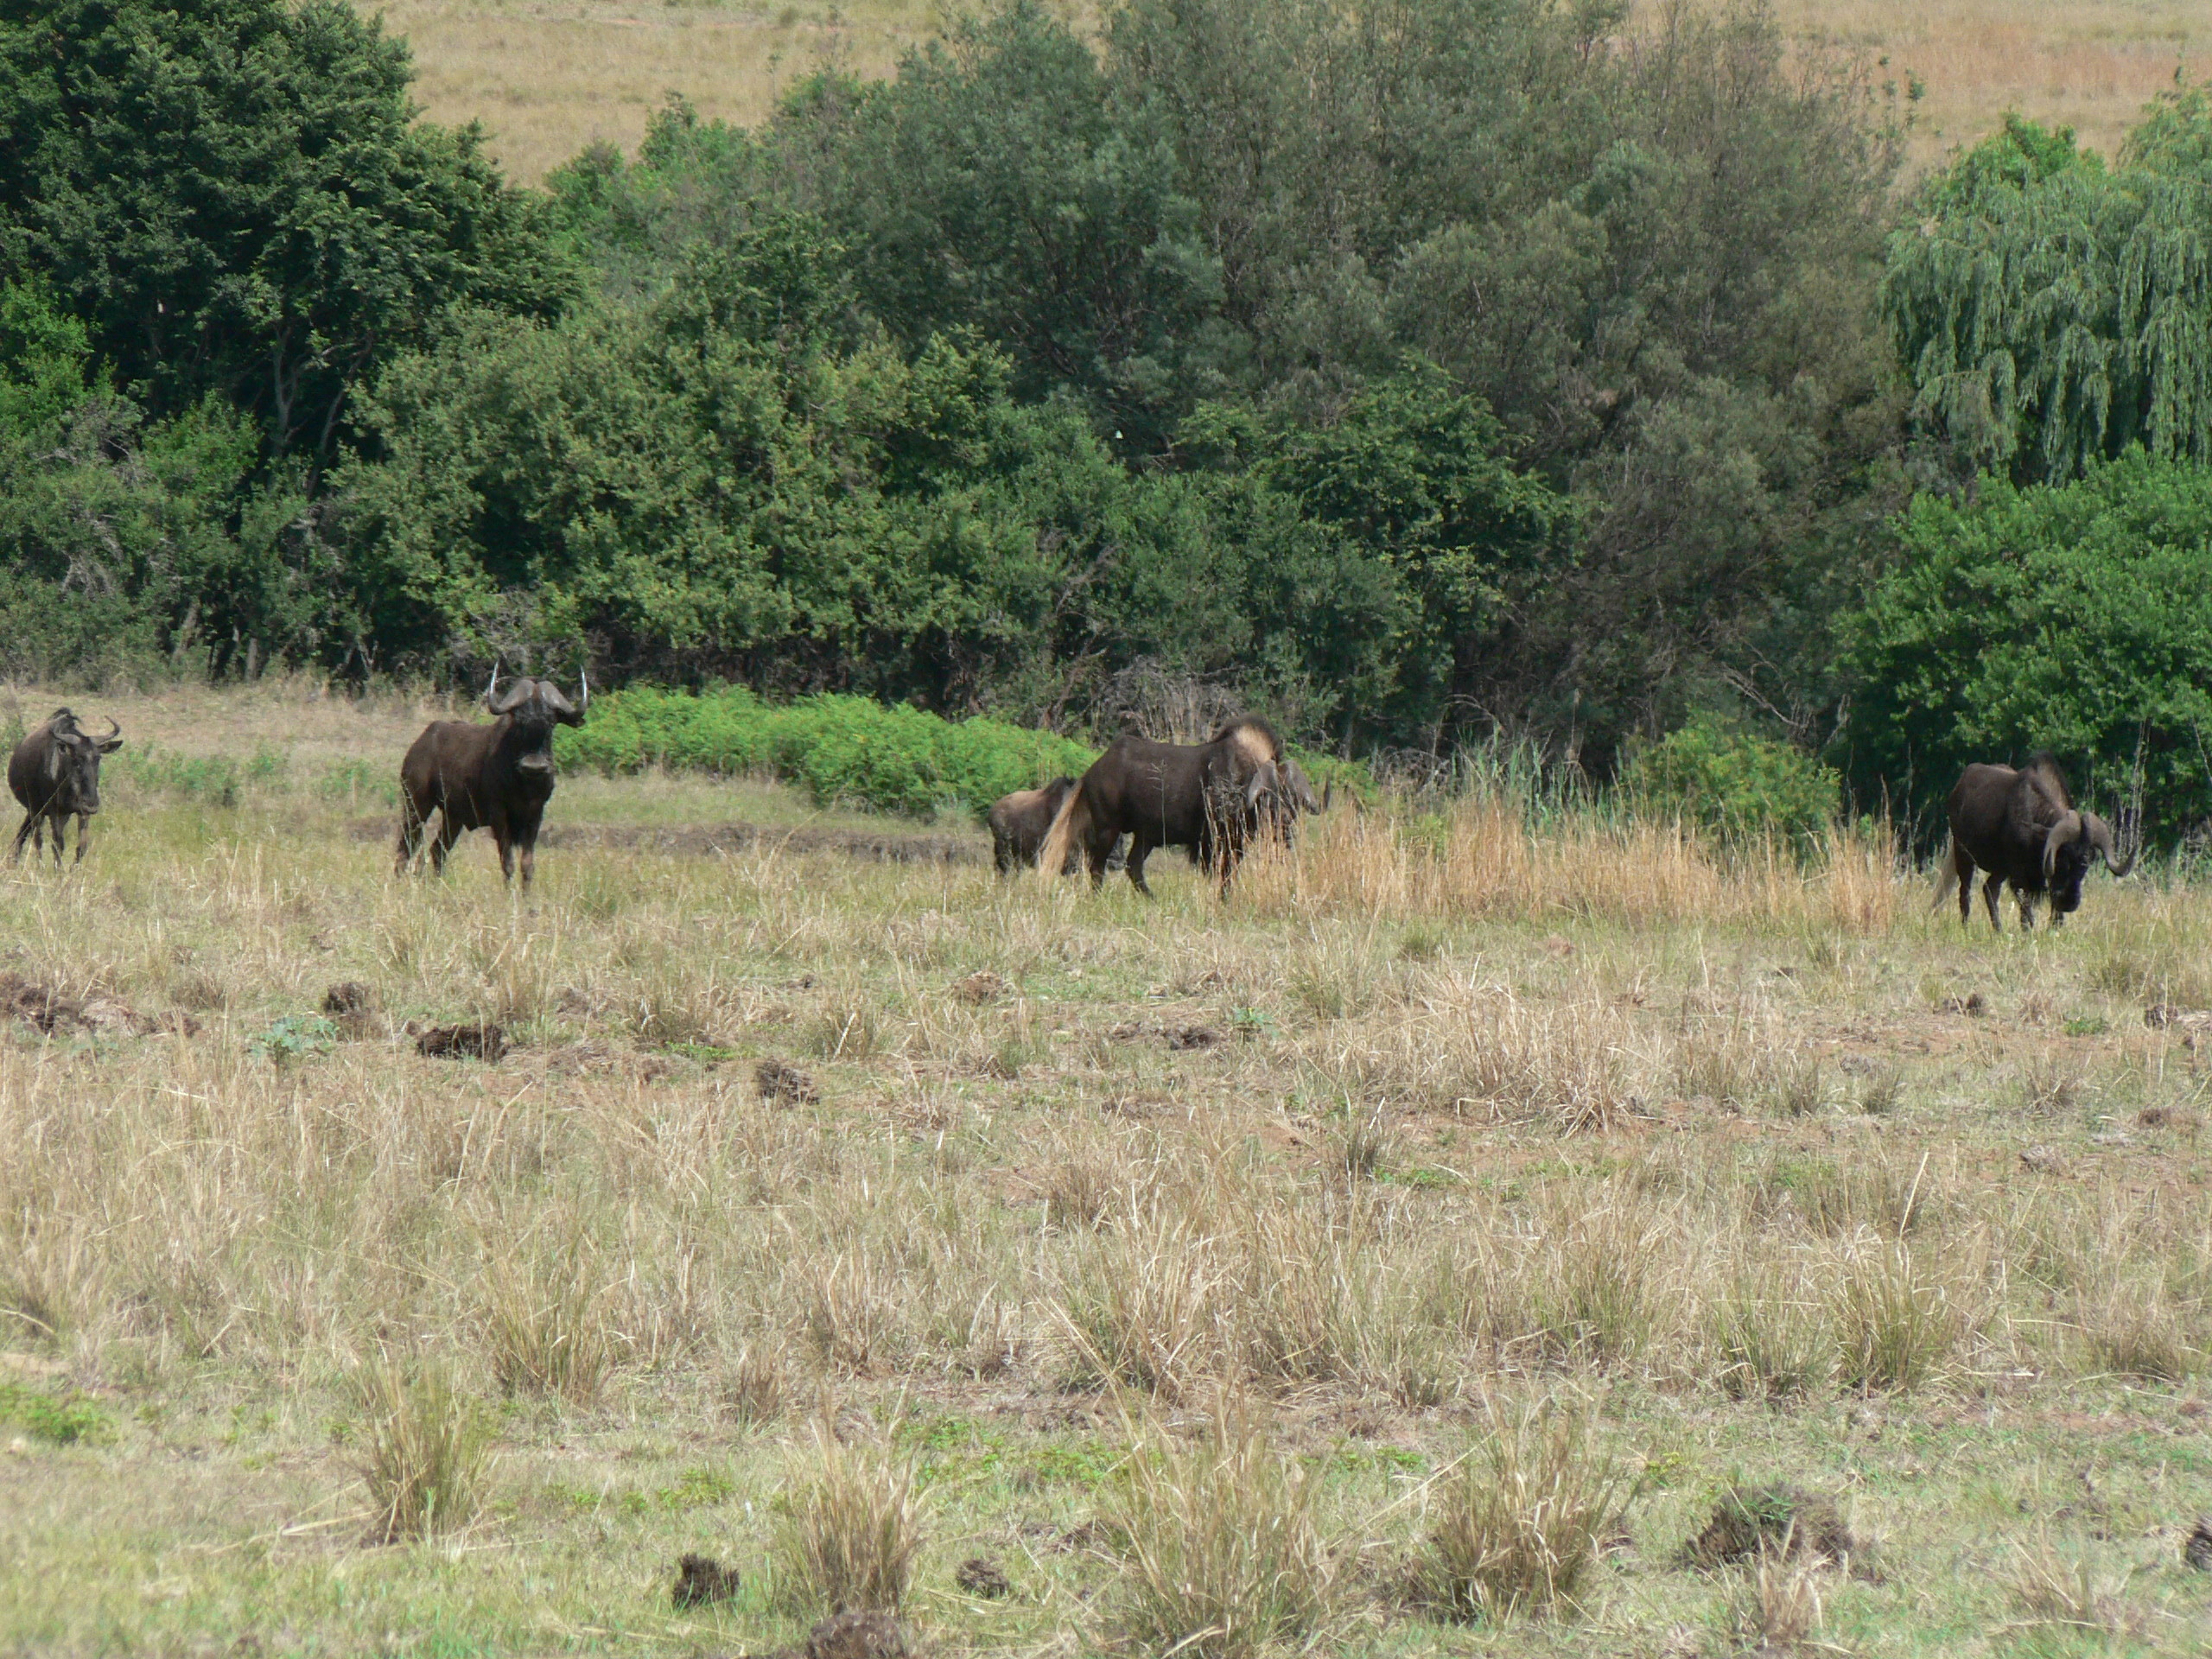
236	199
2051	311
2075	618
124	539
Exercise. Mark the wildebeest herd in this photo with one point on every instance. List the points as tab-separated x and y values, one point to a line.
1215	800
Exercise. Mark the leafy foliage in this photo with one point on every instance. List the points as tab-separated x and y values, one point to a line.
236	199
1732	782
2075	618
2052	312
841	748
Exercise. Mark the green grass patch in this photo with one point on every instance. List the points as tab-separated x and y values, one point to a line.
65	1418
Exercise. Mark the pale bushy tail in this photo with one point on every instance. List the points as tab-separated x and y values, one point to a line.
1071	825
1947	875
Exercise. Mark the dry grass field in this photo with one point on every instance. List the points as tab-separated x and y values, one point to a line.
1467	1238
549	77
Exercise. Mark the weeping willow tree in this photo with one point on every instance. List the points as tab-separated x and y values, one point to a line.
2050	311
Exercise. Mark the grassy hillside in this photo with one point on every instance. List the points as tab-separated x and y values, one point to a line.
1191	1262
549	79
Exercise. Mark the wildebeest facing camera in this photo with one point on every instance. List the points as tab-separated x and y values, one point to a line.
54	773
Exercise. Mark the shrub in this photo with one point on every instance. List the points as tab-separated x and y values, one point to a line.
424	1452
1518	1523
1223	1556
1732	782
849	1529
841	749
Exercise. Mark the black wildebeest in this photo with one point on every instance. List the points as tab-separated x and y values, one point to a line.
1212	797
1019	823
2022	827
55	772
497	777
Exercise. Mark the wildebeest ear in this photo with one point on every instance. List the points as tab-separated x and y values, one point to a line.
1263	779
110	745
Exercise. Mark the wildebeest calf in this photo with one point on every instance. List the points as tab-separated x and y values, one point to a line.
2024	829
497	777
1019	823
55	773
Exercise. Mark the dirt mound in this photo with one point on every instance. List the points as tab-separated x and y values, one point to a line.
61	1016
784	1084
857	1636
701	1579
2197	1550
704	840
348	996
1780	1520
981	986
483	1041
980	1575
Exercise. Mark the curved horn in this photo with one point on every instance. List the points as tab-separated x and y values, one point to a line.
517	693
114	729
583	680
2101	838
2067	828
493	689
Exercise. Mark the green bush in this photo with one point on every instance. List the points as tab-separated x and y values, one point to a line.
1732	782
2075	618
841	749
210	779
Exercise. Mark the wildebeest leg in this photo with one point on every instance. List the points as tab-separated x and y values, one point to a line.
506	854
2027	911
83	828
410	837
1989	891
58	825
24	833
441	843
1141	847
1963	867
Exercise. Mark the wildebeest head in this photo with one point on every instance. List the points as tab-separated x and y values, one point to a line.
2076	839
72	762
1277	792
536	707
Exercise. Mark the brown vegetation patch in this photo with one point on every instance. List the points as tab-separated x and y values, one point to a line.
979	1575
784	1084
1776	1520
1175	1036
979	988
701	1579
480	1040
58	1016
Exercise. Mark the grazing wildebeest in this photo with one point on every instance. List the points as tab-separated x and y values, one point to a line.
55	772
1019	823
1212	798
2022	827
497	777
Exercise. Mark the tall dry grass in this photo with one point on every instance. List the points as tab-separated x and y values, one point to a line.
1486	859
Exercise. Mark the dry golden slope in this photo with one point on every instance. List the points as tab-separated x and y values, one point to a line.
549	77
